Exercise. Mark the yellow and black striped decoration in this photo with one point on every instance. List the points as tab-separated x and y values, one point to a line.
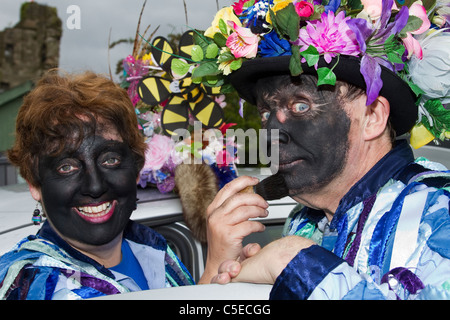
186	44
182	95
175	115
162	53
154	90
207	111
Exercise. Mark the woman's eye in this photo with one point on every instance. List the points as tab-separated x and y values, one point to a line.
66	168
265	116
300	107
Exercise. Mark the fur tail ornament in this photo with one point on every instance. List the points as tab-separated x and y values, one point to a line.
197	185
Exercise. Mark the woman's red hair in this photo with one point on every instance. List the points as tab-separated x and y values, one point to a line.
59	110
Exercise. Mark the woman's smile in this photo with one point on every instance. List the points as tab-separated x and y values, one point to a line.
97	213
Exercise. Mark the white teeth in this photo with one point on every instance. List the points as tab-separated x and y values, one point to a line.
92	211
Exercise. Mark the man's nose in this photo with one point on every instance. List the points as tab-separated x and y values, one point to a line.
274	123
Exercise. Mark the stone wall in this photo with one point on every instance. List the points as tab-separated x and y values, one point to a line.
31	47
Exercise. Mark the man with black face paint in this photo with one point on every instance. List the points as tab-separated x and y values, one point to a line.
371	222
81	153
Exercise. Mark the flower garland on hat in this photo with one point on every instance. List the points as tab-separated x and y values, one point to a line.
399	35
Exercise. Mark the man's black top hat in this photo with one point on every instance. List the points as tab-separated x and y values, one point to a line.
403	108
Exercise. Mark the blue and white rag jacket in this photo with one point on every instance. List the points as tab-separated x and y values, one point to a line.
45	267
389	237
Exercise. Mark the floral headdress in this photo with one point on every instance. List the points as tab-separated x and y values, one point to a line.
401	36
163	154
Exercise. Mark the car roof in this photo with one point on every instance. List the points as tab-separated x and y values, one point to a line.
231	291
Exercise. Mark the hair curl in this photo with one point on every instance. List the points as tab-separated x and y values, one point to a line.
61	109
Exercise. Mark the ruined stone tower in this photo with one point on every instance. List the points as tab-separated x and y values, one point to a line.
31	47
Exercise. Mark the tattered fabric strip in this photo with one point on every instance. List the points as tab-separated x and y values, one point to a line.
384	228
351	255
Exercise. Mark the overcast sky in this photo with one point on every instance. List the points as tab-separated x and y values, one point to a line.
87	47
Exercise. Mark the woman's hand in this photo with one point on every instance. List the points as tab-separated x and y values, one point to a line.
228	222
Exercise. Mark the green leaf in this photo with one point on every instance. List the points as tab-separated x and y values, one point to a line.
295	65
180	67
196	80
206	69
214	81
394	57
287	22
197	53
226	56
236	64
311	55
439	115
195	146
211	51
326	76
428	4
211	80
220	40
414	87
201	41
413	24
227	88
223	27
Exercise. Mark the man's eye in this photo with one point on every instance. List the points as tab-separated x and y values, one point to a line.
300	107
111	162
265	116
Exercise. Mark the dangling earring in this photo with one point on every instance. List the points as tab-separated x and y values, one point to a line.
37	217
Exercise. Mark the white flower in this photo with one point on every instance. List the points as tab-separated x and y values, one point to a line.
432	73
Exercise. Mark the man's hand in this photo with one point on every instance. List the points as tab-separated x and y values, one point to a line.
262	265
228	222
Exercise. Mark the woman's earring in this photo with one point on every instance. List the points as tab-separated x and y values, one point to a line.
37	217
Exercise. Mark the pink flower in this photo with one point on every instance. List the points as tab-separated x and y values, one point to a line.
411	44
238	7
374	7
158	152
304	9
419	11
330	36
242	42
224	158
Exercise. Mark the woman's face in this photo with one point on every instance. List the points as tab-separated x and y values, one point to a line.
89	194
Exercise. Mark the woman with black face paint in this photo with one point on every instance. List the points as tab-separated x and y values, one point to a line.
79	148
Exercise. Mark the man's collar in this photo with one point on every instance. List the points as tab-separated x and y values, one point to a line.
389	167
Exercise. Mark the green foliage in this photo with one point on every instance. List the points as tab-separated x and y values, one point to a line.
286	22
251	120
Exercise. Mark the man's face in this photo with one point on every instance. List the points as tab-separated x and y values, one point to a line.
313	129
89	194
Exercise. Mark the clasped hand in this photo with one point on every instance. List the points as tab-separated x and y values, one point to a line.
228	224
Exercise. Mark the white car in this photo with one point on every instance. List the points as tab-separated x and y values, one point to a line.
163	213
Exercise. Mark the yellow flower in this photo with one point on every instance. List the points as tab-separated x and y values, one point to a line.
225	66
226	14
420	136
277	6
148	56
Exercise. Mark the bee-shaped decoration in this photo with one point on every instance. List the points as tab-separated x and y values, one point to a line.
181	93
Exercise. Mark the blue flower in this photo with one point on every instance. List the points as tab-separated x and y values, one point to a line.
273	46
333	5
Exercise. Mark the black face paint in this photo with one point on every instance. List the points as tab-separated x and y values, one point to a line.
89	194
313	138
